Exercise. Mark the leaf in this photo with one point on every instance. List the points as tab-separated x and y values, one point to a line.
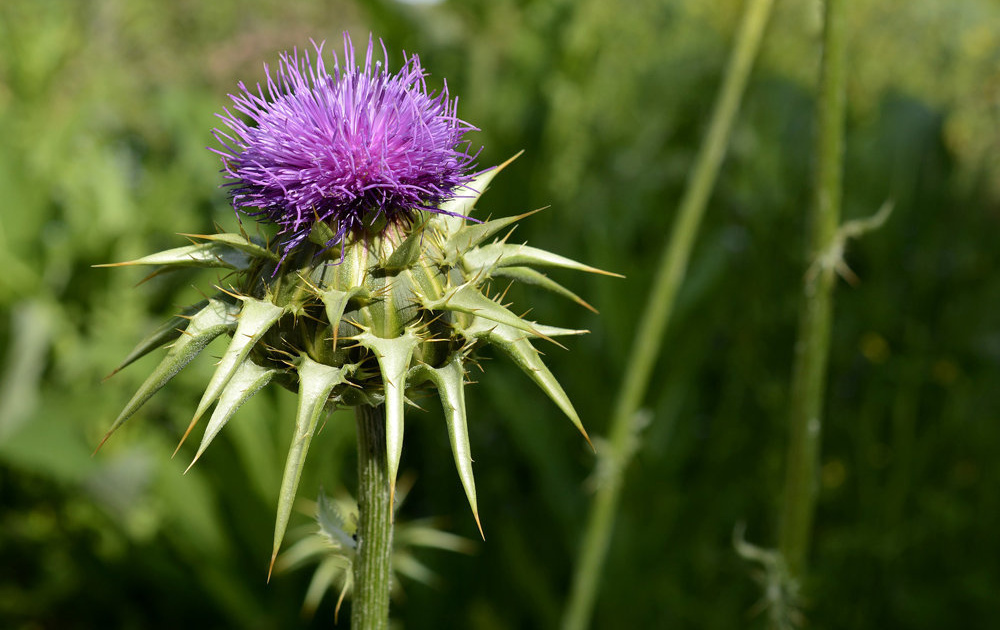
216	318
316	381
450	383
249	379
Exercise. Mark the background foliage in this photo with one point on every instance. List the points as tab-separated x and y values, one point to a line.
106	107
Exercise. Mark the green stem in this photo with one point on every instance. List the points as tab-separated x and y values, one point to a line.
373	564
812	346
647	342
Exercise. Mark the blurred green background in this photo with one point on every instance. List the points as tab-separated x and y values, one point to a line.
106	108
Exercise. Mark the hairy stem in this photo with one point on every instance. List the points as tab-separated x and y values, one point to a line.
647	342
373	565
812	346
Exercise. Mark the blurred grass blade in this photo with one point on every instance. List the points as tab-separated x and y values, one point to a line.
656	315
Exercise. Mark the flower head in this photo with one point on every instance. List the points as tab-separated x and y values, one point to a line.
346	148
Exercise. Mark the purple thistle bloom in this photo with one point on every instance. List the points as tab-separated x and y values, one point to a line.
344	149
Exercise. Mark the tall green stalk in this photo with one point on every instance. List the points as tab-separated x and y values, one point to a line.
647	342
373	565
812	346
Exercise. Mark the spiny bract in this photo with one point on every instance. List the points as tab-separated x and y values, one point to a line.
375	320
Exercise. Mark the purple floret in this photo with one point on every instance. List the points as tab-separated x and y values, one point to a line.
344	148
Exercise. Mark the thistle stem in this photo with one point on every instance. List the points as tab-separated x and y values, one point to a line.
815	317
647	342
373	565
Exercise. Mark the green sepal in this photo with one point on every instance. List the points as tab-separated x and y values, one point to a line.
450	383
527	275
316	381
336	302
249	379
256	317
466	298
510	255
518	347
393	357
407	253
214	319
164	334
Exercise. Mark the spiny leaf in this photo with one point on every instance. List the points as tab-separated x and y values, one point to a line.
394	360
450	383
316	381
466	197
210	322
517	346
509	255
466	298
238	241
472	234
163	335
210	254
249	379
527	275
255	319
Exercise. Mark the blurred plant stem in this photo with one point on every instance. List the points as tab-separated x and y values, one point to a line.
373	566
813	343
656	316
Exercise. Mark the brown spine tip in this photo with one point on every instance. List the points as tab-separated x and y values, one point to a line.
270	567
475	513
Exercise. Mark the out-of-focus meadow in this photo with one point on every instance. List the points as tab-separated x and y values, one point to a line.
106	108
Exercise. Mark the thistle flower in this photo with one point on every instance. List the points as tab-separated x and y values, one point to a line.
382	289
344	149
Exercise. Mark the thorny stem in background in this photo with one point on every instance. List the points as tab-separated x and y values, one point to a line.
813	343
648	339
373	565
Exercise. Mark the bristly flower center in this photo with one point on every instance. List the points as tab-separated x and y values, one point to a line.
347	149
